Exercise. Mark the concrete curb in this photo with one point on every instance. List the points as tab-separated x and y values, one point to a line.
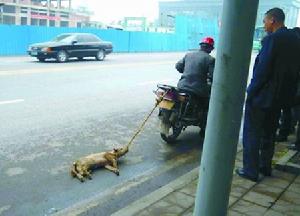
155	196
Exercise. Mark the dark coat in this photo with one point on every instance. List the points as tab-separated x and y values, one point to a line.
297	99
275	71
197	70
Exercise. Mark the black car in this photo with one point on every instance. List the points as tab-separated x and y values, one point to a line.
70	45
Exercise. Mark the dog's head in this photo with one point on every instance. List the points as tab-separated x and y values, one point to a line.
121	151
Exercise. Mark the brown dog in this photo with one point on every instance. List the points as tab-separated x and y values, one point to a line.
82	168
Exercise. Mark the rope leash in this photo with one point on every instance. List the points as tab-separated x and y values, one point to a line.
146	119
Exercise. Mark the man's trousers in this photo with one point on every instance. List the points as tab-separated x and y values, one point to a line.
259	138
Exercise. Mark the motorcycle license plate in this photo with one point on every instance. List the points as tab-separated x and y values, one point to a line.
165	104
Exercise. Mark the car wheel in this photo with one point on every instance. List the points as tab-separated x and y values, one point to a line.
62	56
100	55
41	59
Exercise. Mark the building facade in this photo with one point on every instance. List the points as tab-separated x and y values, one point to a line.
55	13
212	9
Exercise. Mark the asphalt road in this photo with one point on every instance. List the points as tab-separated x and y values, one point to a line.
52	114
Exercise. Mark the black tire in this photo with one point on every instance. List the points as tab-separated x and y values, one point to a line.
41	59
62	56
100	55
175	132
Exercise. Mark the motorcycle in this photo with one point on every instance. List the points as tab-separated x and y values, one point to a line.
178	110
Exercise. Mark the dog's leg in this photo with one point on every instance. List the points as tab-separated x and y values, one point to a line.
81	170
114	163
112	166
73	173
113	169
80	177
88	174
73	170
77	175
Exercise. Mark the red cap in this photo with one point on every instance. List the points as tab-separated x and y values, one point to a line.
208	40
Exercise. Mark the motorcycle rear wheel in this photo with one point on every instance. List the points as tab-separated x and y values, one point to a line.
174	133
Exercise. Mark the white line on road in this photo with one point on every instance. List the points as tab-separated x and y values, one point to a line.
81	68
11	101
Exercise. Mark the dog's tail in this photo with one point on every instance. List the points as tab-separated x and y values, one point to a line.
74	170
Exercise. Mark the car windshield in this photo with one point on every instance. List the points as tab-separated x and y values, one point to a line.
64	38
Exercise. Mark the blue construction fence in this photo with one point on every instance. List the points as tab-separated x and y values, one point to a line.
16	39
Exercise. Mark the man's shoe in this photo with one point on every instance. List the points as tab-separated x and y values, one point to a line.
241	172
265	171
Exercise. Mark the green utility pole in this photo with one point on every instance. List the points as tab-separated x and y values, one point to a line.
226	106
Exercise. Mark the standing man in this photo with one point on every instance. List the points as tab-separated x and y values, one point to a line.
296	107
272	88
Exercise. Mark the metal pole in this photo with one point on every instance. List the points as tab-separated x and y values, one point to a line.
226	105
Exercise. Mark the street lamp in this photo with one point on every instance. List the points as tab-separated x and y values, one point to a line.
1	11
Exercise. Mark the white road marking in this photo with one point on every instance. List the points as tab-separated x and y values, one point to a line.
11	101
79	68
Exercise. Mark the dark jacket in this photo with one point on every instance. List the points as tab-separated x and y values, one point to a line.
197	70
297	98
275	71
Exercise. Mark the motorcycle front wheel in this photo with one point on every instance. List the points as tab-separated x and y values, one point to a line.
172	135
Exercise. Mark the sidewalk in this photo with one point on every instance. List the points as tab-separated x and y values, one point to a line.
272	196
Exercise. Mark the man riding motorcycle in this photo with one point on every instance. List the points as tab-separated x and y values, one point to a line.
197	72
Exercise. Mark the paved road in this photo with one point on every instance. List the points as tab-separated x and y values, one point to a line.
52	114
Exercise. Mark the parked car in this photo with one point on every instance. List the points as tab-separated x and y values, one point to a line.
70	45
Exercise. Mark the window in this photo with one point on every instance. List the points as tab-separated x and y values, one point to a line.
64	23
90	38
34	11
87	38
80	38
9	9
34	22
43	22
52	13
23	20
24	10
10	20
64	15
42	12
51	23
64	38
